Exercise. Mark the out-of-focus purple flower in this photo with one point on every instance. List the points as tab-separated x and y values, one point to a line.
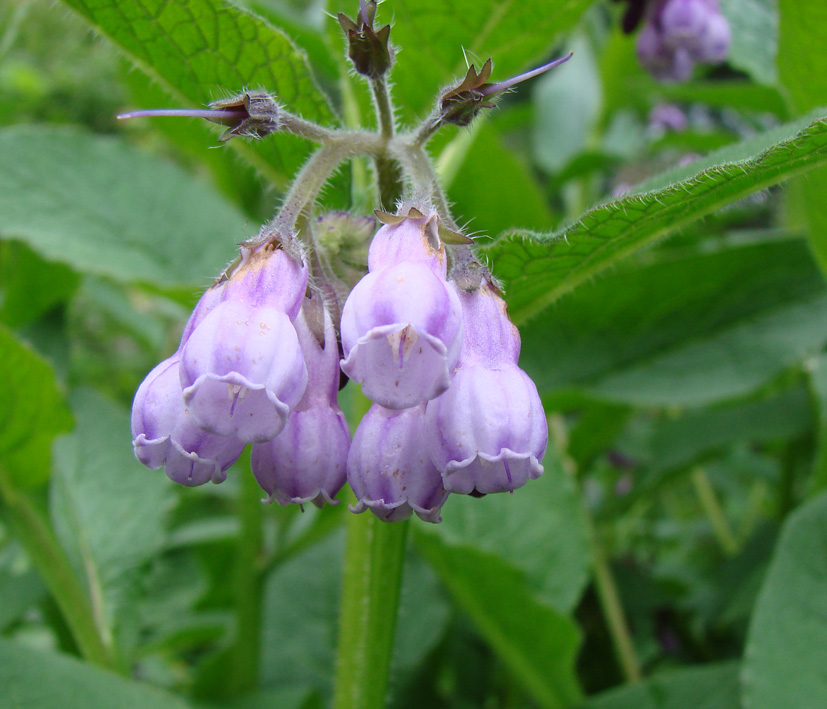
307	461
389	468
668	117
679	33
164	433
402	324
488	431
242	368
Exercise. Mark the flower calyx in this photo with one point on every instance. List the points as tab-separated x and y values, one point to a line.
257	115
461	104
369	49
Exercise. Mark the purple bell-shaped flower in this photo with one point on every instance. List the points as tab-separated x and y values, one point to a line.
307	461
488	432
389	468
242	368
164	434
402	324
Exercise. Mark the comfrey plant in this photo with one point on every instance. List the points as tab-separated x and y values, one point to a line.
424	329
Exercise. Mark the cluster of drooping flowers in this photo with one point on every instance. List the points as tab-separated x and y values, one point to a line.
422	327
677	34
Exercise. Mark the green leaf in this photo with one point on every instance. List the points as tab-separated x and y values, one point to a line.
818	387
707	687
754	28
19	593
33	679
802	69
688	328
30	286
784	658
435	37
535	642
539	530
107	509
200	50
32	412
674	445
539	268
105	208
519	197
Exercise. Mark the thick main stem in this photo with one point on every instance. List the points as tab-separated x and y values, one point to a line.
374	561
57	573
248	582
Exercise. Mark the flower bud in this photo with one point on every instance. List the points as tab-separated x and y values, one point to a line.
401	324
258	115
242	368
370	50
489	427
164	433
307	461
389	468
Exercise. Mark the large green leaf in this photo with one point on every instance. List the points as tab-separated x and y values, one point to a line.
802	69
539	530
435	38
33	679
32	412
705	687
754	28
535	642
106	208
818	387
690	327
539	268
108	510
199	50
785	652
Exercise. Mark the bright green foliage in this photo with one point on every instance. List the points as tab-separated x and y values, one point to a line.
32	412
783	664
103	207
204	50
33	678
539	268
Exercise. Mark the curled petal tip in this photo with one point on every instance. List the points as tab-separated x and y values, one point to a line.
508	83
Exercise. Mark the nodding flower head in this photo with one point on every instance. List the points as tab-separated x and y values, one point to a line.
402	323
242	368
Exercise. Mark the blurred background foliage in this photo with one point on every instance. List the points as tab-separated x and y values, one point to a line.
673	553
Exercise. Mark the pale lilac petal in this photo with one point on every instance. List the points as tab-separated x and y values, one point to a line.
307	461
389	467
489	431
242	370
401	334
165	435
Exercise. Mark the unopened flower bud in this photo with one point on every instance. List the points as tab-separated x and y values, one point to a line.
389	468
369	49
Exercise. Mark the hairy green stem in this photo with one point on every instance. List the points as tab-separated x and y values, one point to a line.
297	125
40	543
388	173
248	586
374	561
714	511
